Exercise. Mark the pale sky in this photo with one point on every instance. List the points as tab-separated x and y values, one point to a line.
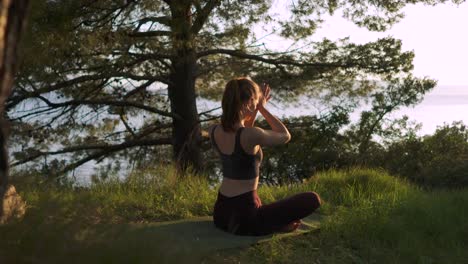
437	34
439	37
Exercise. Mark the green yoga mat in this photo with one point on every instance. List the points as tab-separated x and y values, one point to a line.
183	241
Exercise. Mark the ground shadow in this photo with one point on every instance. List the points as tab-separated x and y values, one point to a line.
184	241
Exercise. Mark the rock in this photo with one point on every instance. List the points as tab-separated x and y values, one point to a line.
13	205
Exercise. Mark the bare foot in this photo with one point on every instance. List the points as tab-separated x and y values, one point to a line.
291	226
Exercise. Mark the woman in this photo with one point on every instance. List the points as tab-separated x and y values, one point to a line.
238	208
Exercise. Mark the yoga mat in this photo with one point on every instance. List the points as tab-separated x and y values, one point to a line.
183	241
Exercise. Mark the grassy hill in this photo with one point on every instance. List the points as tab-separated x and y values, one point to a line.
371	217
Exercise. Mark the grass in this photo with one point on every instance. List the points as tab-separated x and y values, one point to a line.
372	218
153	195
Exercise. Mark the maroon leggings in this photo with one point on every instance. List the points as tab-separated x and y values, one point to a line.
245	215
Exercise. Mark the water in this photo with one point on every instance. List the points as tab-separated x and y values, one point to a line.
443	105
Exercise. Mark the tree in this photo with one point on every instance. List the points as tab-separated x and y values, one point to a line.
12	14
316	144
406	92
437	160
154	59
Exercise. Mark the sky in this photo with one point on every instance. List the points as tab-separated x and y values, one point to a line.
439	39
438	36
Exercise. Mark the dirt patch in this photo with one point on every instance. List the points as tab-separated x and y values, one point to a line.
13	205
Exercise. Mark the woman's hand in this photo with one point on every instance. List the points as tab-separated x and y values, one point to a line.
265	96
250	119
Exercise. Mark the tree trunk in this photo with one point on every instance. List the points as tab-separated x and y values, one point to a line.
186	131
12	16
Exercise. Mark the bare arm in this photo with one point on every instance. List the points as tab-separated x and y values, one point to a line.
278	134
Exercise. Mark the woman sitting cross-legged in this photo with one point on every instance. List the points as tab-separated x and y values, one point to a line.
238	208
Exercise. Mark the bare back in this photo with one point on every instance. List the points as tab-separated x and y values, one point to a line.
225	142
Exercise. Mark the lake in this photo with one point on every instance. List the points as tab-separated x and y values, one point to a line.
443	105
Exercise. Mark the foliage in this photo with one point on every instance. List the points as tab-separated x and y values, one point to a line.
407	92
104	77
438	160
152	195
315	145
370	216
376	218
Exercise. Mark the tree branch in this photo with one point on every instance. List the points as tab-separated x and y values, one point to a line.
127	126
109	102
202	16
116	148
277	62
106	148
146	34
164	20
14	100
138	89
208	111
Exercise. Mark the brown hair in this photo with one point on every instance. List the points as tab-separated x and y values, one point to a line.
237	92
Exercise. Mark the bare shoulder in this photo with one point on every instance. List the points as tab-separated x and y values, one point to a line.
250	137
253	135
265	137
254	131
209	130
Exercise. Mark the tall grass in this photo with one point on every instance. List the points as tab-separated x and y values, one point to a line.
372	217
152	195
66	220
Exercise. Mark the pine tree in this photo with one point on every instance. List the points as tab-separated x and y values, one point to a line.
85	60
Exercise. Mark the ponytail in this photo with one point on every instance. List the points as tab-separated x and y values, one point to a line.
237	92
231	105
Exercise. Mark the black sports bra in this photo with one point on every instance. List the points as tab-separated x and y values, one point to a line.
239	165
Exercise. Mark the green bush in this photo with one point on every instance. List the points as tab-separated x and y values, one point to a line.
438	160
